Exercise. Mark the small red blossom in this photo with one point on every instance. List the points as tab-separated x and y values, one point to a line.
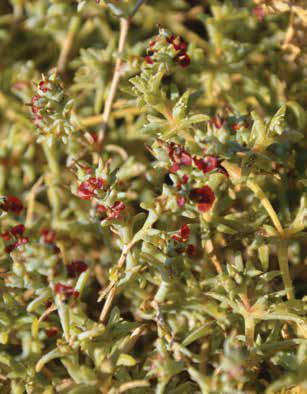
22	241
116	209
19	85
204	196
184	234
179	156
43	87
18	230
259	12
75	268
9	248
17	233
112	212
48	235
236	126
13	246
35	98
87	189
148	59
180	201
191	250
101	208
180	45
6	236
12	204
66	290
184	60
52	332
96	183
206	164
217	122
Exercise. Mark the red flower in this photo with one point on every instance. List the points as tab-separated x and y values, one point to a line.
76	267
204	196
148	59
42	86
180	201
52	332
190	250
85	192
116	209
10	248
12	204
180	45
67	291
236	126
87	189
178	156
48	236
18	230
207	164
101	208
22	241
184	60
217	122
184	234
35	98
258	11
6	236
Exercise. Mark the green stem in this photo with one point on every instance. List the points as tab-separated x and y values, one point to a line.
53	179
267	205
282	253
68	43
162	291
249	331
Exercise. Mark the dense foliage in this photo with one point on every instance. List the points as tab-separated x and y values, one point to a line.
153	196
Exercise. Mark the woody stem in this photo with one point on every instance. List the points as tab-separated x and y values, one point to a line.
124	28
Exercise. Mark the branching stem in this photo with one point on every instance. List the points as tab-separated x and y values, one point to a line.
124	28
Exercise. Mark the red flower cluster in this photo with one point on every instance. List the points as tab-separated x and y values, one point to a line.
183	236
12	204
184	233
65	290
36	109
113	212
182	58
48	236
52	332
75	268
180	45
258	11
87	189
204	196
217	122
208	164
178	156
15	232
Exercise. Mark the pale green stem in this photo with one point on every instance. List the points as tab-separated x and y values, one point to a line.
249	330
53	179
162	291
68	43
267	205
282	253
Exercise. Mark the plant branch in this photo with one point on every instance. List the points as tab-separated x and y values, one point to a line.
68	43
124	28
282	253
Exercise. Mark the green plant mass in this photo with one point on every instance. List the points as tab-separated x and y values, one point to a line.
153	202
